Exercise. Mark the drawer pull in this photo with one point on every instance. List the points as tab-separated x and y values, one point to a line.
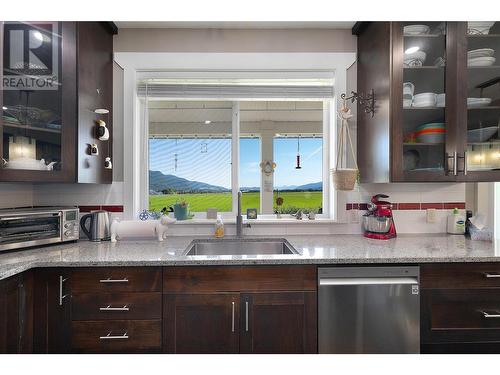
109	308
110	280
491	275
494	314
110	337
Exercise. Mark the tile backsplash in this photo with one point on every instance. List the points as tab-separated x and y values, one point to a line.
411	202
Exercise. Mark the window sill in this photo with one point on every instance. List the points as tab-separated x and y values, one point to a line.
260	221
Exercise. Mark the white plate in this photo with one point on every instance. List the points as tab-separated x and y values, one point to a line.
481	52
416	30
478	102
481	61
481	135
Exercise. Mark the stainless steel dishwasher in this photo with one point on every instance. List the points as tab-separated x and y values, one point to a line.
368	310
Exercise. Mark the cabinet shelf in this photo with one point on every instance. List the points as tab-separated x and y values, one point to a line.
425	36
422	108
424	144
491	107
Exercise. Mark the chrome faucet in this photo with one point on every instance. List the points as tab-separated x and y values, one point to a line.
239	218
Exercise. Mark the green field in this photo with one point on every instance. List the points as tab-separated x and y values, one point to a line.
222	201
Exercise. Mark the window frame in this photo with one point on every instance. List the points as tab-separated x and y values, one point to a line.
328	123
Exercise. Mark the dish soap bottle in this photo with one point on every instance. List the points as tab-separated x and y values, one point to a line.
219	227
456	223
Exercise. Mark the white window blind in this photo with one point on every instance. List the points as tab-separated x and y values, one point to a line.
234	90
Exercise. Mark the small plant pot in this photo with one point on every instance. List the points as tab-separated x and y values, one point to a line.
345	178
181	212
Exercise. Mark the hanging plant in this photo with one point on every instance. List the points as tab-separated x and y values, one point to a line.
344	178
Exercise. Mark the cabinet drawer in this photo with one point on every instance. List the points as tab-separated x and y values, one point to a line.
114	306
115	336
116	279
239	278
460	276
454	315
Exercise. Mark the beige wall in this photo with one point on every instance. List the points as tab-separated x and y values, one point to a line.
234	40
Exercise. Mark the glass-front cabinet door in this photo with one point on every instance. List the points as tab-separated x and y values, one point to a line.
420	103
38	101
481	63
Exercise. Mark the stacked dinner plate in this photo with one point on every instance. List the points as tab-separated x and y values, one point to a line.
481	57
431	133
478	102
426	99
411	30
479	27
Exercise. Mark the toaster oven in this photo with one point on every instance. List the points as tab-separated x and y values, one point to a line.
35	226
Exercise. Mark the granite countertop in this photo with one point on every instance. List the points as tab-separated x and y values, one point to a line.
322	249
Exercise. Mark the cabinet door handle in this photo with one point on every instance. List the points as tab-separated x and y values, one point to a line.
455	163
61	295
492	275
465	163
110	280
464	171
232	316
246	316
109	308
488	315
115	337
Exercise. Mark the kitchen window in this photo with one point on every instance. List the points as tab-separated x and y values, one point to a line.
202	152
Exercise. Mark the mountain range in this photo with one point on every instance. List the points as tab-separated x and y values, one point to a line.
159	182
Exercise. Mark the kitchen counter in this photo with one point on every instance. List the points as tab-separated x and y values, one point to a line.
323	249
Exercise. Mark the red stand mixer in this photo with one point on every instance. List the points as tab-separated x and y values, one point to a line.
378	223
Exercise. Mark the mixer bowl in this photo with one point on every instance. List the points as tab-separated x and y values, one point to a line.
377	224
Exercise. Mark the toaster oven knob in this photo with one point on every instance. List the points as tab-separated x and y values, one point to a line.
68	225
68	233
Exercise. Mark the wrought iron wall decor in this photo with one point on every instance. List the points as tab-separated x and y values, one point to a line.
367	102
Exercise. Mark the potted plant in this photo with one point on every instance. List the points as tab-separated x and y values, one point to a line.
181	210
344	178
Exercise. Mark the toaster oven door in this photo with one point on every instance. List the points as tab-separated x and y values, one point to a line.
18	231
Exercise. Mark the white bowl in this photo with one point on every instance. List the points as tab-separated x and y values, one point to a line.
481	61
426	99
479	27
416	30
481	135
414	59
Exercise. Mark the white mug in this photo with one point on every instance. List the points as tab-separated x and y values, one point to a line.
408	89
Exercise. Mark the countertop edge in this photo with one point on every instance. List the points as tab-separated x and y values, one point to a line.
16	269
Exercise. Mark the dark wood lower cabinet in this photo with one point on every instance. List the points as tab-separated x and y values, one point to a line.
460	308
16	314
52	309
282	322
201	323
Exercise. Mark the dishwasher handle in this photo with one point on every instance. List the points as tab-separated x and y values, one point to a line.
368	281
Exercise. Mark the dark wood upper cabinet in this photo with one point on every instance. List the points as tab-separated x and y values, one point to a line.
54	76
429	124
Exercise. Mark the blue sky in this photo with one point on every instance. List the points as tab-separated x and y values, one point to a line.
209	161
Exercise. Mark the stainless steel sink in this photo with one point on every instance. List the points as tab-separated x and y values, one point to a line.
237	246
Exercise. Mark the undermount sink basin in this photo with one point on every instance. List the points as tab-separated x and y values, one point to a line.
237	246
